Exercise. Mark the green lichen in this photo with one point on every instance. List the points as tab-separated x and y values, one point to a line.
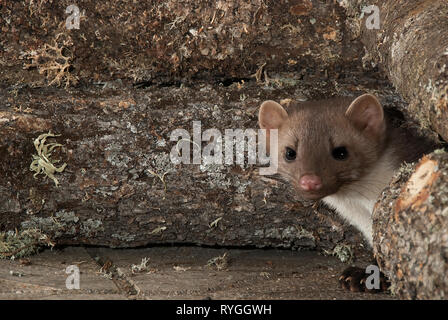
300	233
91	226
63	223
289	233
124	237
18	244
439	151
42	162
343	252
60	223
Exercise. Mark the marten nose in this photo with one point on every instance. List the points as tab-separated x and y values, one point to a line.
310	182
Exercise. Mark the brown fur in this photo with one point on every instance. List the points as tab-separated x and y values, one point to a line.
314	128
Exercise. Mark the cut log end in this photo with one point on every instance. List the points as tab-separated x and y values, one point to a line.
410	229
417	189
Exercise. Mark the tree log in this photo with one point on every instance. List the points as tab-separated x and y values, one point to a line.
120	188
411	48
170	41
410	229
115	140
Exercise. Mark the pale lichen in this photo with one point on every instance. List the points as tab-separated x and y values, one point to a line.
124	237
214	224
64	223
158	230
18	244
220	262
42	162
143	266
343	252
53	61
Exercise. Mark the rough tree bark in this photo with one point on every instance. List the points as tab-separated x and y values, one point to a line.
410	229
115	141
171	40
108	194
120	188
411	48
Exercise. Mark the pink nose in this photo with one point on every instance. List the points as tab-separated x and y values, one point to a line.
310	182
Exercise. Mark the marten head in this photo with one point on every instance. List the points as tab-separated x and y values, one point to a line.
324	145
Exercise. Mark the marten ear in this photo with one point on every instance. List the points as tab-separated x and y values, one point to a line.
271	115
367	114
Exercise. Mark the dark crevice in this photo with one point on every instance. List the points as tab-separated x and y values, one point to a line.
225	82
147	84
192	244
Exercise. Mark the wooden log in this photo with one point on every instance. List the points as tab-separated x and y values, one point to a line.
120	188
411	229
170	41
115	142
411	48
163	42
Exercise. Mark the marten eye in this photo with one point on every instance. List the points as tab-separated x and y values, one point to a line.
290	154
340	153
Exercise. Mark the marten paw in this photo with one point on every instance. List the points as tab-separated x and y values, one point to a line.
355	278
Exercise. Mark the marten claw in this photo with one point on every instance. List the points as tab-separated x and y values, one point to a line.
354	280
